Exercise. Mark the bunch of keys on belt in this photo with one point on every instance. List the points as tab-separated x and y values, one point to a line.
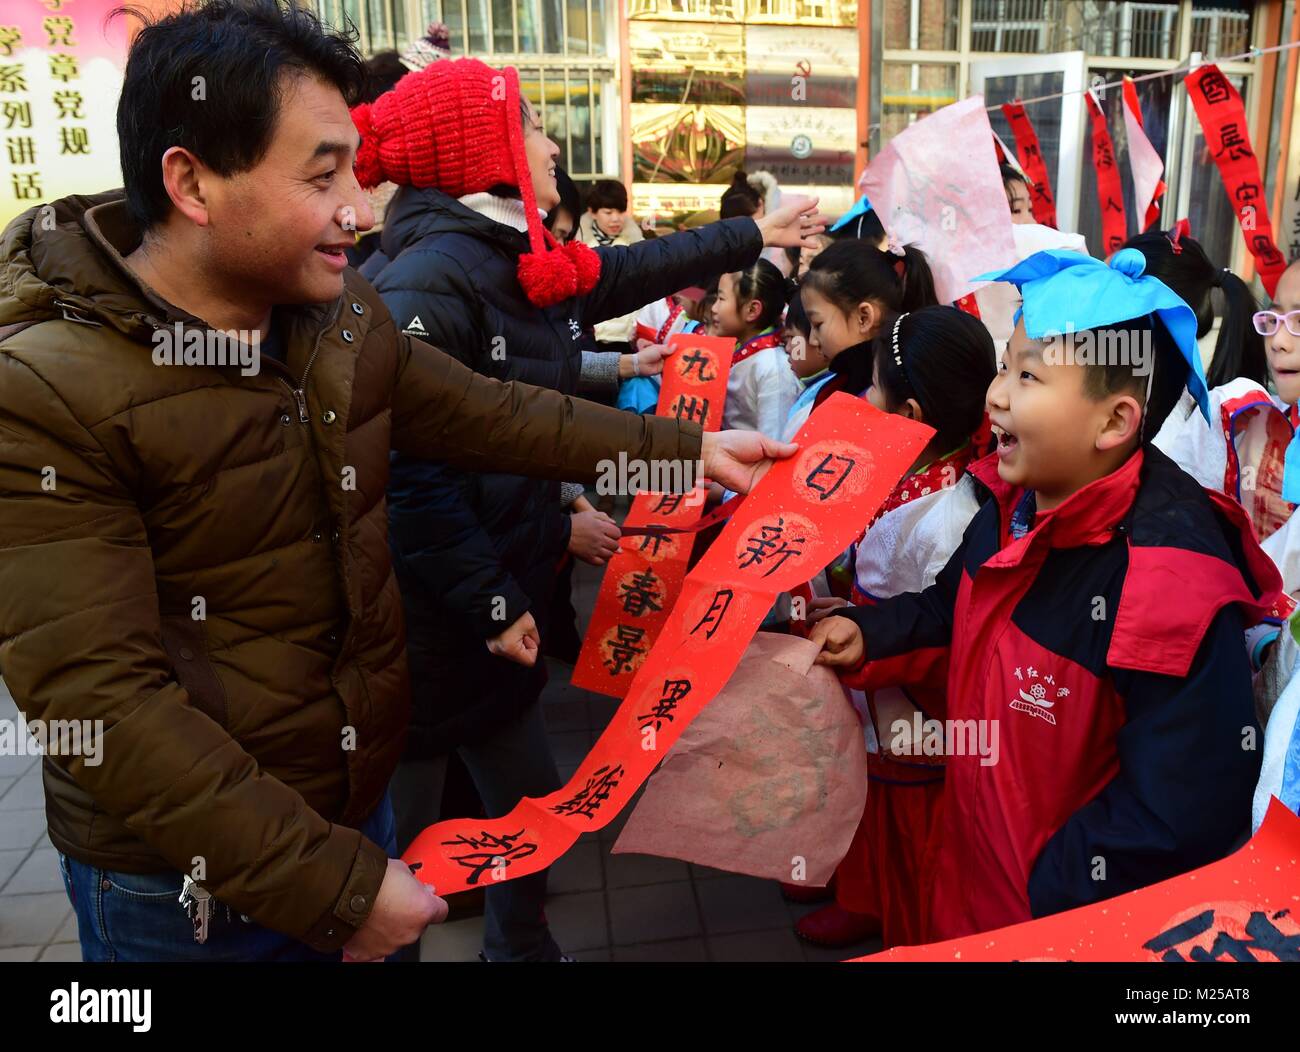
197	901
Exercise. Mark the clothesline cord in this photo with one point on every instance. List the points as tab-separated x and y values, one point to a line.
1182	69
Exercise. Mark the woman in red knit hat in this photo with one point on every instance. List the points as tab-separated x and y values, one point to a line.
466	264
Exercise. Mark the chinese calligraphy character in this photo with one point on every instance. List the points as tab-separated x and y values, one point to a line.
640	594
19	113
64	67
22	149
691	409
1234	143
1264	936
59	28
714	614
27	186
656	539
673	692
1214	88
587	800
1261	246
771	543
73	140
622	648
10	36
668	503
697	358
69	104
12	79
489	850
839	472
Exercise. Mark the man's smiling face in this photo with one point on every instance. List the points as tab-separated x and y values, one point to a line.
280	228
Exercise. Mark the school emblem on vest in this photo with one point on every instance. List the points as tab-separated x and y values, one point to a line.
1035	700
575	330
416	328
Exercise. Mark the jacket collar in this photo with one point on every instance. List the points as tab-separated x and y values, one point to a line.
111	229
1089	516
414	214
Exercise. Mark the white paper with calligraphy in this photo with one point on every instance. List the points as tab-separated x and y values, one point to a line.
774	768
936	185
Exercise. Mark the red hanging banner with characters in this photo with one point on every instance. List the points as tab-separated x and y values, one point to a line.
1222	114
1031	160
1110	191
643	579
1245	907
801	515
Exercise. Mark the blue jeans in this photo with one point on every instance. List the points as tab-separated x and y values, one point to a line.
138	916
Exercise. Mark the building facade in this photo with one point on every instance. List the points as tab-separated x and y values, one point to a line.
674	96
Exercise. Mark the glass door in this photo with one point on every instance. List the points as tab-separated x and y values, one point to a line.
1058	122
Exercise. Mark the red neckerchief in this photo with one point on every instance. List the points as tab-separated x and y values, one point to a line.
674	311
761	342
938	474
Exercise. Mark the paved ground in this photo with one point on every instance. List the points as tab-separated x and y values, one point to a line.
603	907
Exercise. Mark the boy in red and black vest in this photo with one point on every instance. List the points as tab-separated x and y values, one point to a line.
1093	616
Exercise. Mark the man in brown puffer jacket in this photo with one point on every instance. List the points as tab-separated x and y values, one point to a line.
196	554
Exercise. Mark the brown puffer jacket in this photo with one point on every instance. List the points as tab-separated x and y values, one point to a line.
199	558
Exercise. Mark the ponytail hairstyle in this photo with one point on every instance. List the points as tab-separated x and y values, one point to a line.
739	199
945	359
851	271
765	283
1181	263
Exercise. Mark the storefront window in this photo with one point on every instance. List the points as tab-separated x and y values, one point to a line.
711	98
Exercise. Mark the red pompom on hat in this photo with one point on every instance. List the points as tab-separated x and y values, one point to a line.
457	126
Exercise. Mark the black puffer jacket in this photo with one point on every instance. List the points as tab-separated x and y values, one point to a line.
474	552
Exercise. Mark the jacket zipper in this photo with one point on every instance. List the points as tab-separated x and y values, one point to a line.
299	393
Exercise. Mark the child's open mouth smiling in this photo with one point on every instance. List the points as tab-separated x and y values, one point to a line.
1007	442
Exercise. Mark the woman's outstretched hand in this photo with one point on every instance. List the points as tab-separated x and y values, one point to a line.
794	224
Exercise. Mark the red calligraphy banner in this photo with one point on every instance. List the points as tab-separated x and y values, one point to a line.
1245	907
643	580
1222	114
801	515
1110	191
1031	160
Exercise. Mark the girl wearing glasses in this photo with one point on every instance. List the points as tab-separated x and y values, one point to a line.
1254	380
